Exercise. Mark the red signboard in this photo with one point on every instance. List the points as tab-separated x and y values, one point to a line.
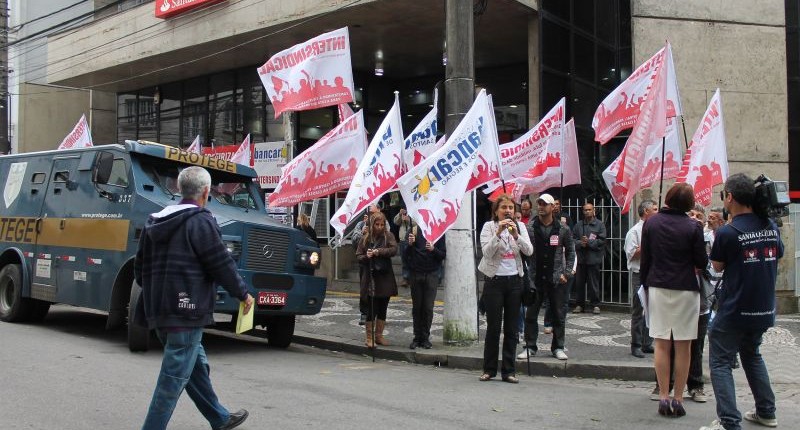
169	8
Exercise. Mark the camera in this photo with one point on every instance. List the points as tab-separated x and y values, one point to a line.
771	199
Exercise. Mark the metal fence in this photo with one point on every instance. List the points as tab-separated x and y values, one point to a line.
614	280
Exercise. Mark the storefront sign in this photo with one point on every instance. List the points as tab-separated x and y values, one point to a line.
169	8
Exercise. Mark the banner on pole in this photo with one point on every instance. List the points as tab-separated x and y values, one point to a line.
310	75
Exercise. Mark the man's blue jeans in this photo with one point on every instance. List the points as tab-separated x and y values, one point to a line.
723	345
184	366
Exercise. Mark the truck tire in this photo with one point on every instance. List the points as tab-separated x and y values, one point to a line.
13	307
138	337
280	330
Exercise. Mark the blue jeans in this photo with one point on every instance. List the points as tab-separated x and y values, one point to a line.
184	366
724	343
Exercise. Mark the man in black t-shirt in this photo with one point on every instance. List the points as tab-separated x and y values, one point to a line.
747	249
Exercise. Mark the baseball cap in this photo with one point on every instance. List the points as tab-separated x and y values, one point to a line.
547	198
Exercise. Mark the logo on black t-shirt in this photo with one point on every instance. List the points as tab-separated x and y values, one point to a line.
751	255
770	253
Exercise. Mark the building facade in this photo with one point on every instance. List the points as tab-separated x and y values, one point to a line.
139	76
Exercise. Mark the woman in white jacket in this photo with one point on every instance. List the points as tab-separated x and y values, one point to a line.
503	242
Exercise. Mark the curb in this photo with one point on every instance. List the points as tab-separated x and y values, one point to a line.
458	358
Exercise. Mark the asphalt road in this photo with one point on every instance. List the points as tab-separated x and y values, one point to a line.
68	373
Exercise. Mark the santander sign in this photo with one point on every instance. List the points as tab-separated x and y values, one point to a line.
169	8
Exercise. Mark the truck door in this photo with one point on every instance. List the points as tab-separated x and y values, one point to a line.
56	249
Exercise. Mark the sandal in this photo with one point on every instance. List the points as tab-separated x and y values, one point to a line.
511	379
677	408
664	408
485	377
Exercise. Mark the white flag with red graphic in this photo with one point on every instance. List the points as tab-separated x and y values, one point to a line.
310	75
651	173
487	167
244	155
308	177
421	142
345	111
433	189
536	151
650	127
620	109
378	171
551	175
79	137
706	161
195	146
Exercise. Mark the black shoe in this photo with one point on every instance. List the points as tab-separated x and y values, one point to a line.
362	320
647	349
637	352
414	344
426	344
235	420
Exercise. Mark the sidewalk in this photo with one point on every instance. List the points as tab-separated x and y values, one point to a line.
598	346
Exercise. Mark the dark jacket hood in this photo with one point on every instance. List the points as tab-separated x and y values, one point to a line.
162	225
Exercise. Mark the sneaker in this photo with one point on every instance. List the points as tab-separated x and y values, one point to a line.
548	330
655	395
526	352
559	354
236	418
715	425
596	310
577	310
753	416
698	395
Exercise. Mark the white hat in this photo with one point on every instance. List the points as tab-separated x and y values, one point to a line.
547	198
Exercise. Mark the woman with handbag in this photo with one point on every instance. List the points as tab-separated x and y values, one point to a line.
378	284
503	243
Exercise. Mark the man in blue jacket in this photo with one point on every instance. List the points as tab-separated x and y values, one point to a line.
747	249
181	257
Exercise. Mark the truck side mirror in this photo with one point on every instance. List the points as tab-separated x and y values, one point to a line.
103	162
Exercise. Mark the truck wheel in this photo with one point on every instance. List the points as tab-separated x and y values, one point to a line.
138	337
13	307
280	330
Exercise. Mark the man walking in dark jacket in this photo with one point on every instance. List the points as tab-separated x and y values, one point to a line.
424	261
181	257
553	258
590	234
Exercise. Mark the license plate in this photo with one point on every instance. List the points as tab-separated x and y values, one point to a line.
271	299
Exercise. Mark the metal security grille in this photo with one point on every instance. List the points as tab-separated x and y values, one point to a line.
275	241
614	279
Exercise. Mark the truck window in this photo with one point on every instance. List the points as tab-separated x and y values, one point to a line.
119	174
223	190
38	178
62	176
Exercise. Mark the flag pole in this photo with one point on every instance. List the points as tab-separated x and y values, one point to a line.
661	186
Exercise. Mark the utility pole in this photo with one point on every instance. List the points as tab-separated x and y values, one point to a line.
460	312
5	143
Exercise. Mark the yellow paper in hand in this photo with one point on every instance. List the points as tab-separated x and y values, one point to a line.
244	322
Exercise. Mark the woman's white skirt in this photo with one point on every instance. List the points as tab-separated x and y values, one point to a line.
673	312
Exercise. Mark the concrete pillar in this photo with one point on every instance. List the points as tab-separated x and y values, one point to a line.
460	312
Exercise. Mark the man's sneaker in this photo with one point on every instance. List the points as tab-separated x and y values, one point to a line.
560	354
753	416
548	330
525	353
698	395
577	310
235	420
596	310
715	425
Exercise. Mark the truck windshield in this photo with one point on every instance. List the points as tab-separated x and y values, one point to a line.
229	190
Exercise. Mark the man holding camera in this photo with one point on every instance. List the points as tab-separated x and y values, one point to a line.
747	249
